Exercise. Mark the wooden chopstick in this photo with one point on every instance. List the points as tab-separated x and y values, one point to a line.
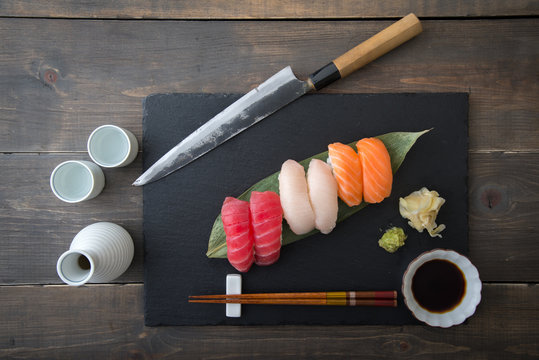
344	298
306	295
360	302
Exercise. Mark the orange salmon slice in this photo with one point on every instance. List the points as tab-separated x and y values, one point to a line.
377	173
347	169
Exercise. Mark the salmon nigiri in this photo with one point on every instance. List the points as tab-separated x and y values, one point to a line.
377	173
266	223
235	215
347	169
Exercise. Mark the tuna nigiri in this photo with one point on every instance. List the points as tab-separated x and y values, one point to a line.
295	198
347	169
377	173
235	215
323	195
266	223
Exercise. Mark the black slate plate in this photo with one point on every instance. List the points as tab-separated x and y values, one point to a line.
180	209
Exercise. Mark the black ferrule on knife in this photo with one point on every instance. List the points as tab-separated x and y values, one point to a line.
325	76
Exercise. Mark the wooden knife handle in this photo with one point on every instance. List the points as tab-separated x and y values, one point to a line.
369	50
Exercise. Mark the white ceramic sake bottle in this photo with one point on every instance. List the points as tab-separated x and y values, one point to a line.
99	253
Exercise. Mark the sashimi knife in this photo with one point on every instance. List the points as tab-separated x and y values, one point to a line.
273	94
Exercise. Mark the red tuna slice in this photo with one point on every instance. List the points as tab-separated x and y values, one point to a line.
235	215
245	266
237	229
268	250
268	242
267	260
242	262
240	254
266	222
235	212
267	232
263	249
237	242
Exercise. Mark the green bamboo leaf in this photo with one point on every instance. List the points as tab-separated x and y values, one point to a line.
397	143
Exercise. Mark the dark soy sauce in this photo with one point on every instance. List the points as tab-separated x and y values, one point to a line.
438	286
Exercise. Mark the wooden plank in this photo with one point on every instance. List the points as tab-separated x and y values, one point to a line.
102	322
503	212
259	9
62	78
37	227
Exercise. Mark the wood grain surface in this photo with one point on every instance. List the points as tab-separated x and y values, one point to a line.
111	326
260	9
67	67
63	78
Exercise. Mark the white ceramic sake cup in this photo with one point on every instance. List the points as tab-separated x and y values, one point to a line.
469	302
111	146
77	180
99	253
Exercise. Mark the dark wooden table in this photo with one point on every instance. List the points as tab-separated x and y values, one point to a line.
66	69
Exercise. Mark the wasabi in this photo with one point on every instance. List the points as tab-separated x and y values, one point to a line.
392	239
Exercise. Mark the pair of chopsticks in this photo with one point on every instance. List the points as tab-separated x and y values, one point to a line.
340	298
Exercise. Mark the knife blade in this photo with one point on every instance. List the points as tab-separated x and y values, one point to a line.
275	93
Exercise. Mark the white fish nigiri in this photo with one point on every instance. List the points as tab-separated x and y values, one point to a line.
294	195
323	195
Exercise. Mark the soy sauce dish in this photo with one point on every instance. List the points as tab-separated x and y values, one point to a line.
441	288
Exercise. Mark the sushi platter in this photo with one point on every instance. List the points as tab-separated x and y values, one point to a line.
180	209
